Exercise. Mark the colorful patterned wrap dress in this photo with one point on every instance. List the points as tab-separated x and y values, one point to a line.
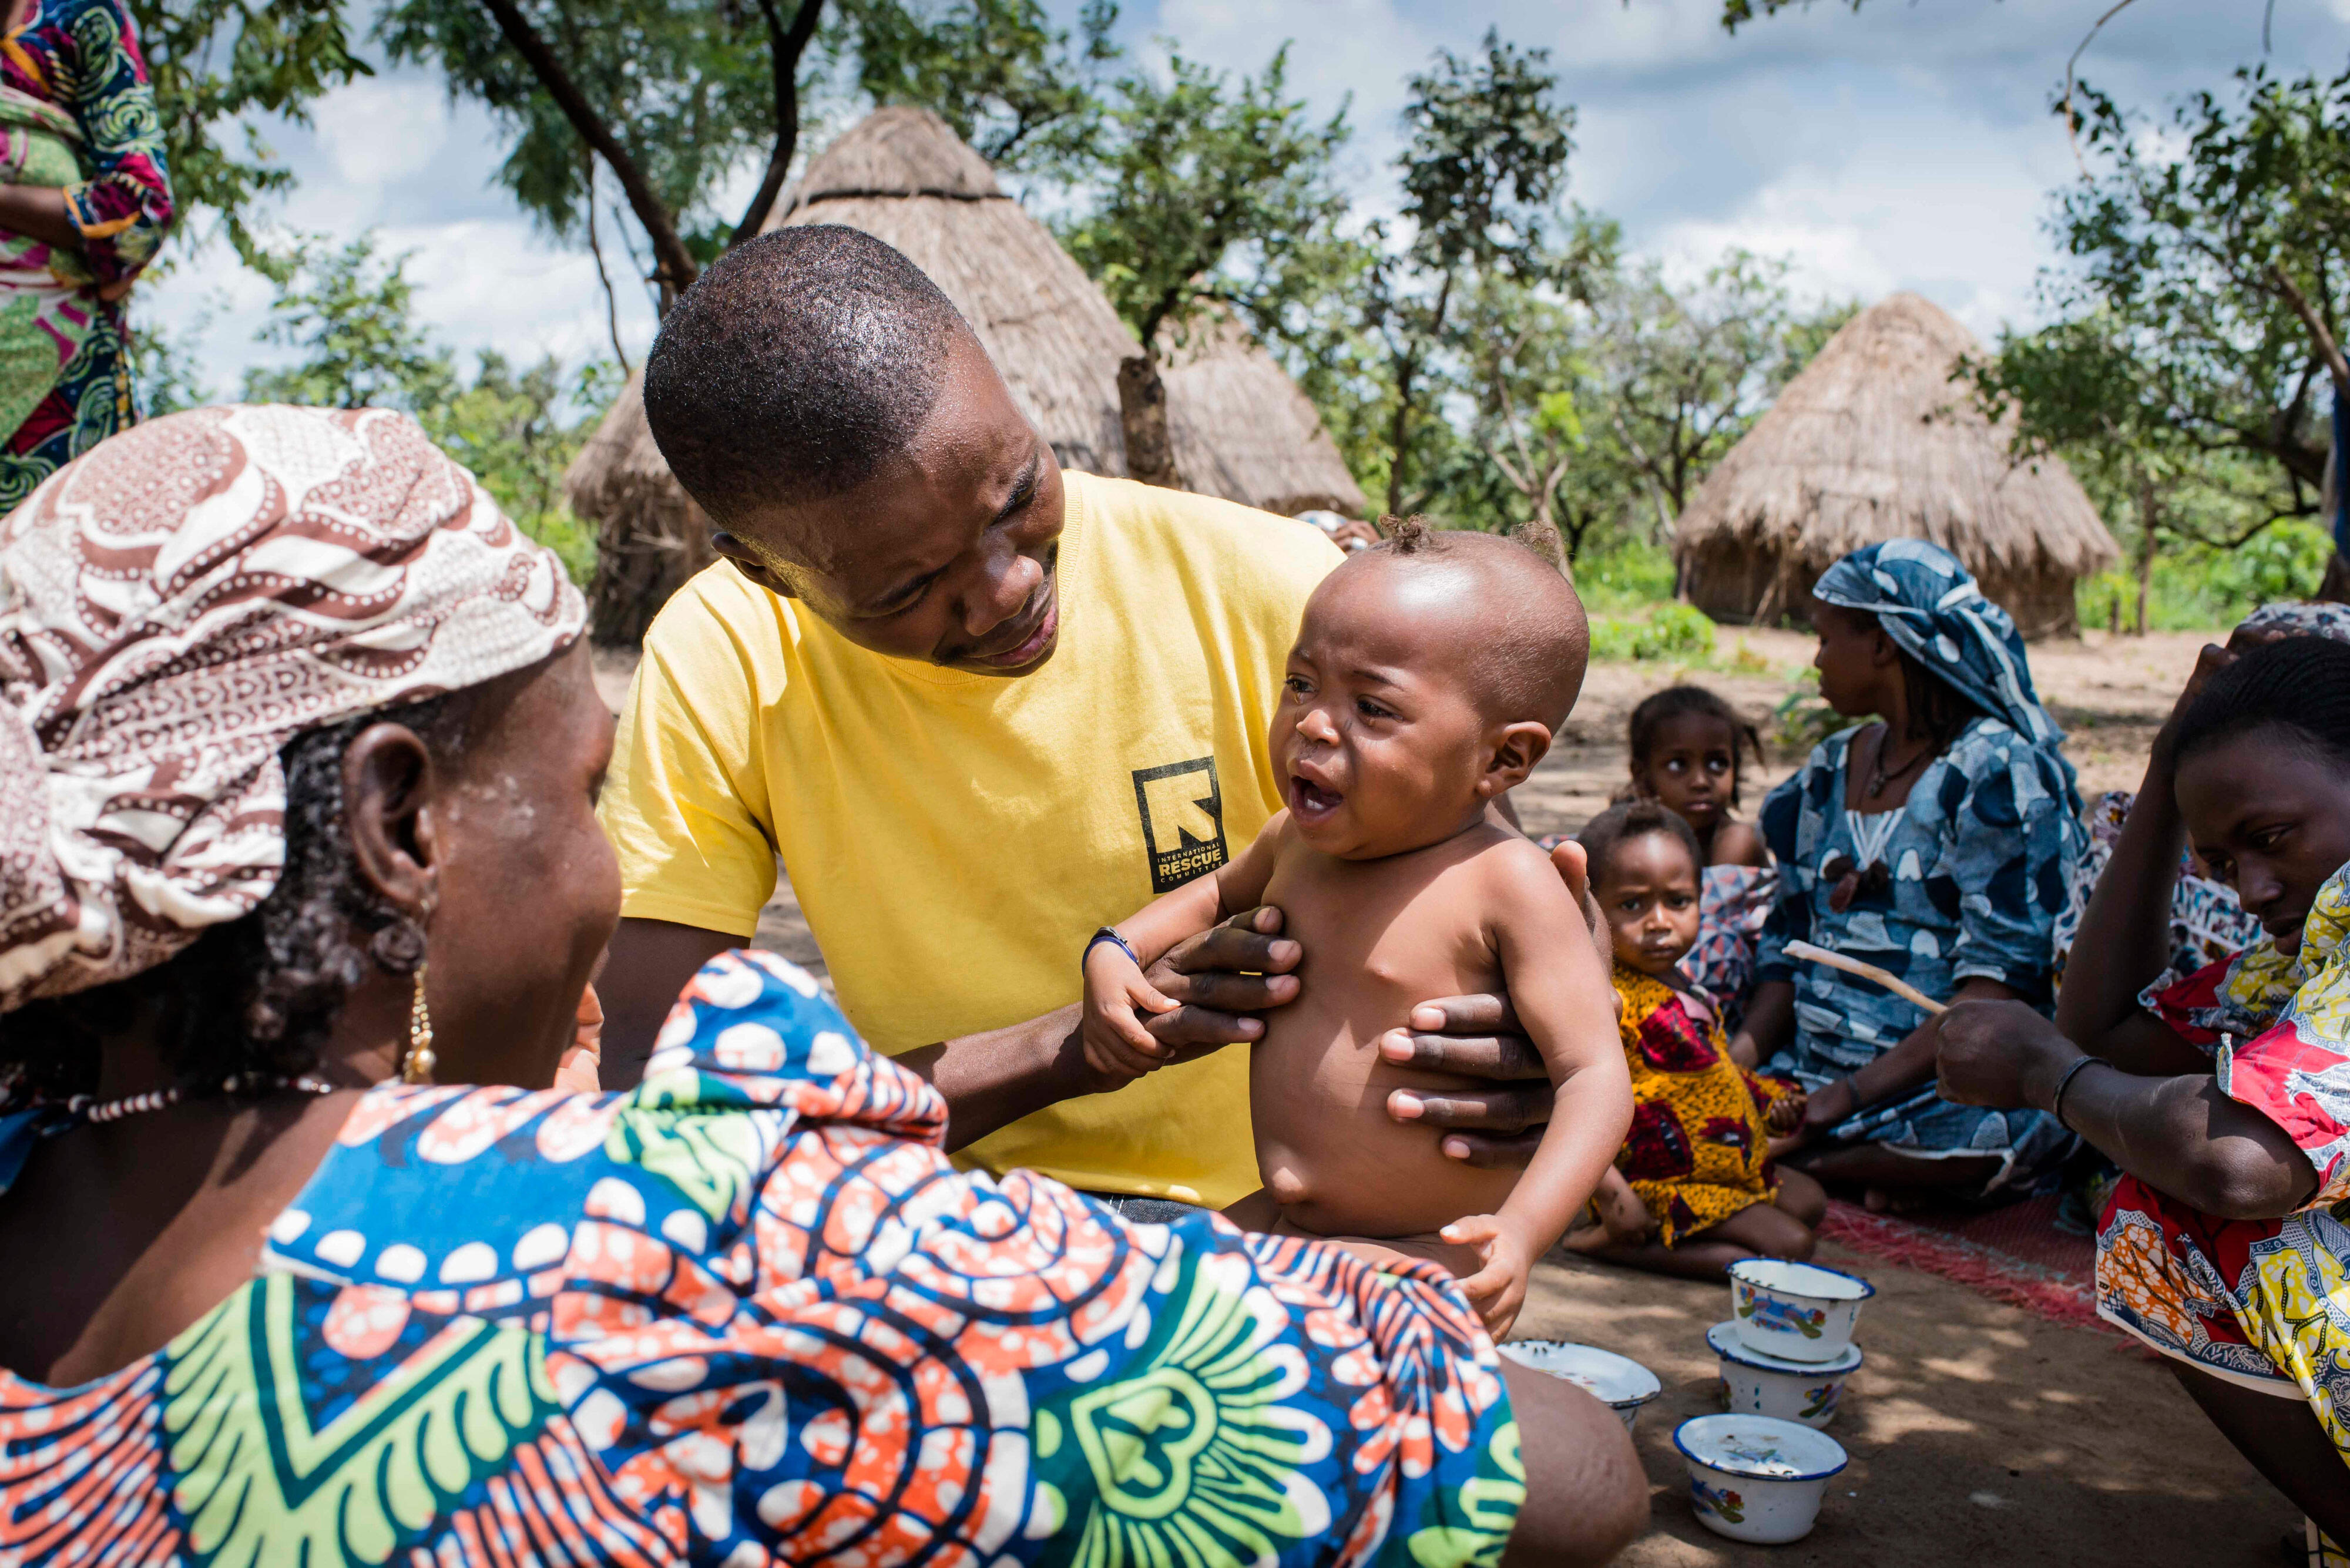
2264	1304
76	112
1699	1151
1732	903
749	1314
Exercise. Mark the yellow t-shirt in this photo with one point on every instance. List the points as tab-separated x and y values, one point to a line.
954	838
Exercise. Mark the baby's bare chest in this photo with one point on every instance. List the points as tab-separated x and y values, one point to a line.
1380	939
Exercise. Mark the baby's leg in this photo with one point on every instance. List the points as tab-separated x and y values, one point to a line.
1586	1495
1258	1211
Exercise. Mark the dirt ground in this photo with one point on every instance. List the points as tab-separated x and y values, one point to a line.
1980	1434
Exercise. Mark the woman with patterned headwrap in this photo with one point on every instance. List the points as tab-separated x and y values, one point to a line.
1932	844
85	200
298	750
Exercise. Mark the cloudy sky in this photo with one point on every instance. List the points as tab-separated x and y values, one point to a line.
1907	146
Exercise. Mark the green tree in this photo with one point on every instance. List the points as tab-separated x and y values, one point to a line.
1483	174
216	66
349	314
2198	317
1214	200
1686	370
671	96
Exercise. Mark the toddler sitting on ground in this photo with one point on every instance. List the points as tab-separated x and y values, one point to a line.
1694	1190
1429	675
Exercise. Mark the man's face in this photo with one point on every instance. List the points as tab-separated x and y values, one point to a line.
946	555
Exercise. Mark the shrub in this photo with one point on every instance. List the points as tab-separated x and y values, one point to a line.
1676	631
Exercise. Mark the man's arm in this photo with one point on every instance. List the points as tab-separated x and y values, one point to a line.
1223	976
647	965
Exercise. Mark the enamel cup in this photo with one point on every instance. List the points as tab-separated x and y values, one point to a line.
1796	1312
1752	1478
1760	1385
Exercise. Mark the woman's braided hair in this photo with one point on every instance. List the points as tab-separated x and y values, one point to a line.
1679	701
2297	683
257	996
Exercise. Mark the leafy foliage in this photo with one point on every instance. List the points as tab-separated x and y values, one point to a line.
1019	90
216	63
1680	632
1211	192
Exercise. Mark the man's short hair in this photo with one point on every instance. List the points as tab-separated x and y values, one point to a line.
795	367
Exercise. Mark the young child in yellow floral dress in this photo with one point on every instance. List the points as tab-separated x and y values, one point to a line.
1694	1189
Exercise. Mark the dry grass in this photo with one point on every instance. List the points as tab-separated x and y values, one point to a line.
1873	442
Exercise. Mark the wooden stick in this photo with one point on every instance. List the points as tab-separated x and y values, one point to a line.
1892	983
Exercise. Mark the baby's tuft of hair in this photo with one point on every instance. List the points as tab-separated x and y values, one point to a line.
1629	820
1534	641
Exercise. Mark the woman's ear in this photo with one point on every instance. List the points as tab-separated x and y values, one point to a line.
1517	749
388	785
1882	650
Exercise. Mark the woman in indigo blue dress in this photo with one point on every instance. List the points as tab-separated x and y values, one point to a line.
1934	844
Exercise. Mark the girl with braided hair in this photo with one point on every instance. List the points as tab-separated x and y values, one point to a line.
2223	1247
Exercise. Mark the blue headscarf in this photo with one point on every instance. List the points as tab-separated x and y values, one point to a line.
1935	612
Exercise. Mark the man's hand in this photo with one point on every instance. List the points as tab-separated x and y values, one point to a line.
1479	1037
1221	978
1474	1037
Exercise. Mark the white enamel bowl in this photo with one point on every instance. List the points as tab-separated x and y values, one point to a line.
1796	1312
1760	1385
1754	1478
1618	1382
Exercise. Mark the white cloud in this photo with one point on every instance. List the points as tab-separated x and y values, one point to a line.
383	129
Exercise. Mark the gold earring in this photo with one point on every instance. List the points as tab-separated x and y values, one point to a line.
416	1066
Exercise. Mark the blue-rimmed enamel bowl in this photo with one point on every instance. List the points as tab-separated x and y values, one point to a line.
1754	1384
1756	1477
1796	1312
1618	1382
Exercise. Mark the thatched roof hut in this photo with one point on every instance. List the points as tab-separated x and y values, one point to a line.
1874	440
1239	426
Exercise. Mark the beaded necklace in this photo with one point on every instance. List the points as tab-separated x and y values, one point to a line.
93	1110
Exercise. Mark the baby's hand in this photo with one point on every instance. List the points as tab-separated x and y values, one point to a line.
1116	1045
1498	1289
1785	1114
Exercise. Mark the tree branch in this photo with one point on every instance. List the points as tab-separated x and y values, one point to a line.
672	261
784	47
596	249
2327	348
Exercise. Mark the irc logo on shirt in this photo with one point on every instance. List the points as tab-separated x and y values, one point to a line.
1183	820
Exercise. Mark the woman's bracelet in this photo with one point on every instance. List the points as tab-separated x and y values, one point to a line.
2056	1101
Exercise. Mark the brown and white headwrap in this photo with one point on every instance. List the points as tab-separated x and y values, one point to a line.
178	604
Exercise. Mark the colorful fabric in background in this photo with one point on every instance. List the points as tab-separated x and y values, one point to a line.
1978	857
76	113
1936	613
1698	1151
1732	903
749	1313
2207	924
2264	1303
177	606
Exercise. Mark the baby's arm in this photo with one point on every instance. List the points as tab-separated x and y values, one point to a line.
1567	1007
1116	1040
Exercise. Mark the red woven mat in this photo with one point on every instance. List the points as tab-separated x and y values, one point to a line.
2014	1254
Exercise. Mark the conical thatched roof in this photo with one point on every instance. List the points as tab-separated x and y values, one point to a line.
1239	427
1874	440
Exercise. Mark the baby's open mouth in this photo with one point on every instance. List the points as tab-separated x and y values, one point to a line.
1310	802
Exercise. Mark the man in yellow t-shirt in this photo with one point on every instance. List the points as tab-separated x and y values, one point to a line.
979	706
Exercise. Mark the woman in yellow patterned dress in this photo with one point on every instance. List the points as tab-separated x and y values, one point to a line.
1694	1190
